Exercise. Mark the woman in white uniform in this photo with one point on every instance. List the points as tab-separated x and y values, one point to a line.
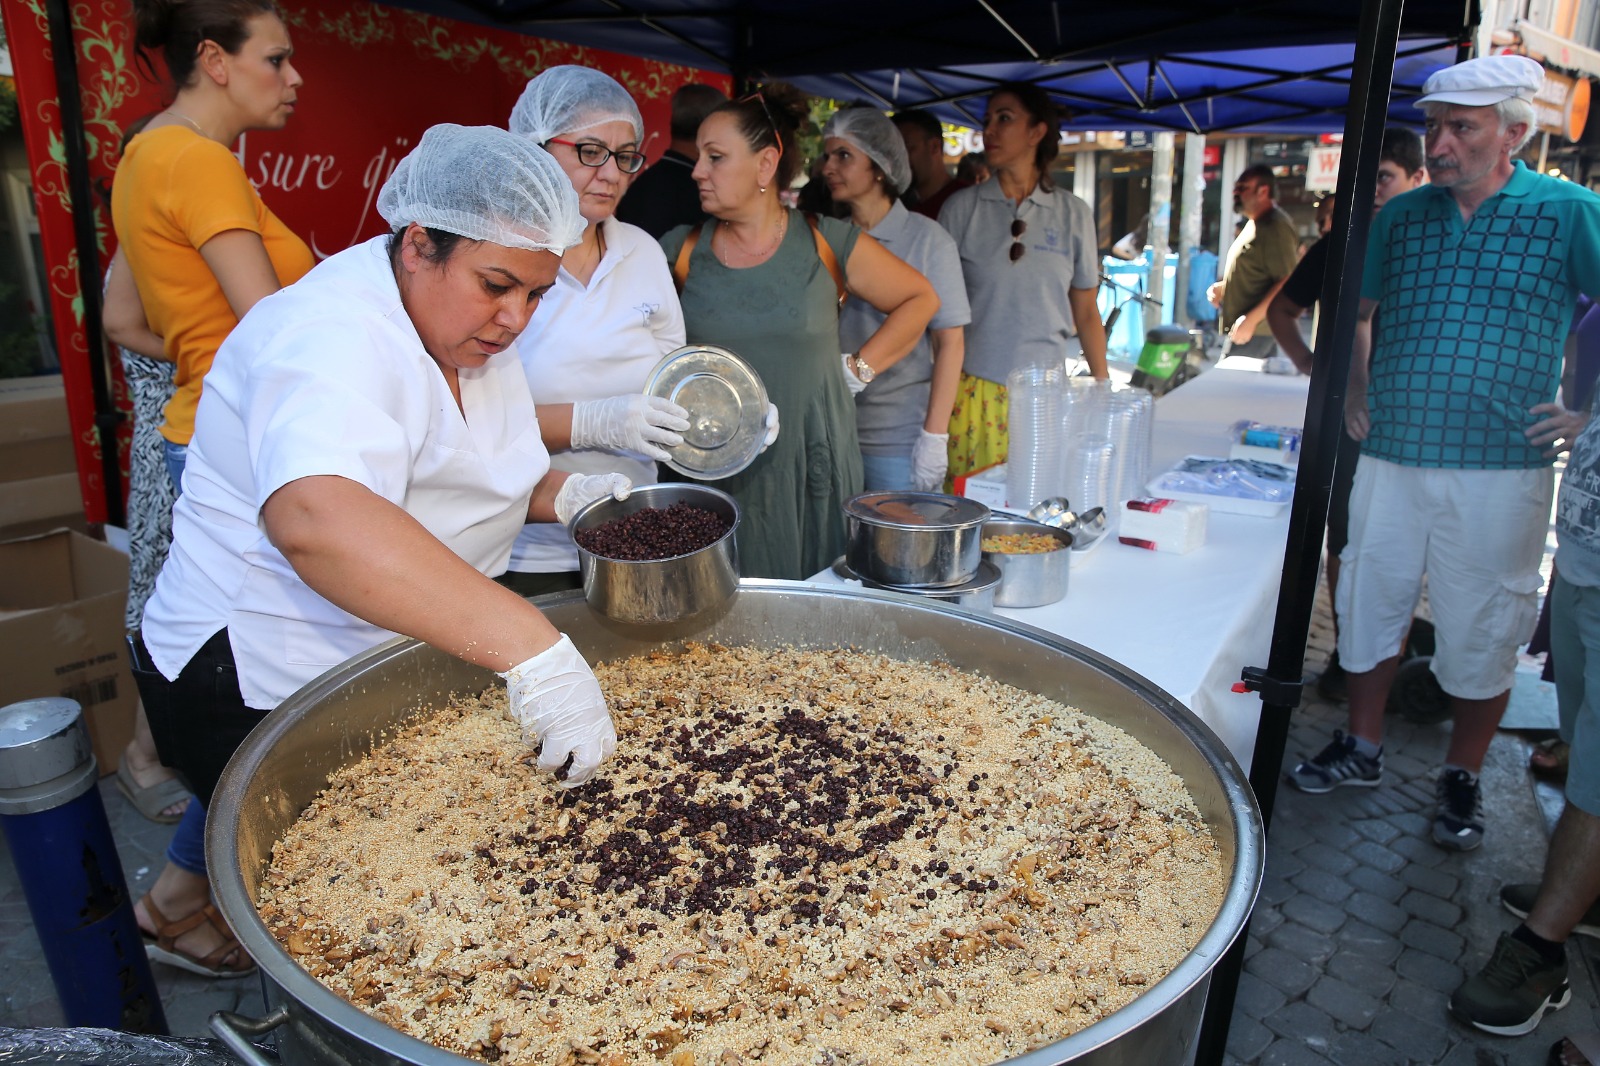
365	452
610	317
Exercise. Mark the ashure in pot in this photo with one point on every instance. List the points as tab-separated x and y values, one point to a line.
337	719
1029	579
914	539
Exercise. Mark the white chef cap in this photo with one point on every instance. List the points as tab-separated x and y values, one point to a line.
485	184
570	100
871	131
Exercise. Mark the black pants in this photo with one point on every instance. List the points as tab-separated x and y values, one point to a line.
198	719
1344	478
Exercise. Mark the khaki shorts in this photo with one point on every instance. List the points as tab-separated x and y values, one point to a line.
1479	537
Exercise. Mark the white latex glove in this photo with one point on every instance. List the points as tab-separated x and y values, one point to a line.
772	427
636	423
930	460
580	490
850	379
557	702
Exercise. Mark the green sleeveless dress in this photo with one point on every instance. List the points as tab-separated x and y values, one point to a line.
782	318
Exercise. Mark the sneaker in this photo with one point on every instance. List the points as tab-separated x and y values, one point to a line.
1512	991
1331	685
1459	823
1518	899
1337	764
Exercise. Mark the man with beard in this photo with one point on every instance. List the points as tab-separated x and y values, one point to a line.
1259	260
1477	275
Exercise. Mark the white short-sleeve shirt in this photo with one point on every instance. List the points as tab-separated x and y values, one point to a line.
329	377
587	343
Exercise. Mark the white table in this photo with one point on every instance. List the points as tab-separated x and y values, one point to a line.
1189	623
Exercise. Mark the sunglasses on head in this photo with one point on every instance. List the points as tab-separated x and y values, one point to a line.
762	100
1018	228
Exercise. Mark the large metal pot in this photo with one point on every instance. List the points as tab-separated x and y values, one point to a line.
914	539
338	718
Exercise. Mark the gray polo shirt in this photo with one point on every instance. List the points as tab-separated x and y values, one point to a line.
891	410
1020	313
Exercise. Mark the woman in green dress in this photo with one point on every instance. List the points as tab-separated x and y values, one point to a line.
754	280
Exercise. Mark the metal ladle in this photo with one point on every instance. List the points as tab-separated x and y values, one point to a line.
1054	511
1090	527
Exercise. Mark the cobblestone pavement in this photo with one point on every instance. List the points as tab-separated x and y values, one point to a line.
1362	930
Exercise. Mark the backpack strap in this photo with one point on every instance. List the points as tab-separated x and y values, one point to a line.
829	260
680	266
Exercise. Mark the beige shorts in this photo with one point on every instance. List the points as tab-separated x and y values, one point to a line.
1479	535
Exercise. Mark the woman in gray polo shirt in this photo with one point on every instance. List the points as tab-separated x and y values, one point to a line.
1031	261
903	415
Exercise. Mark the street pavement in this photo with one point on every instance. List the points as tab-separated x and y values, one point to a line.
1362	930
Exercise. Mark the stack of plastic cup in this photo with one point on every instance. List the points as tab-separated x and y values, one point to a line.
1091	473
1038	433
1130	425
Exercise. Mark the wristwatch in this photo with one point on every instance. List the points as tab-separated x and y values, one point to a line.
862	368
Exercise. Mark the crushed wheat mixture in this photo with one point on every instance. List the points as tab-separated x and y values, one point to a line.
795	857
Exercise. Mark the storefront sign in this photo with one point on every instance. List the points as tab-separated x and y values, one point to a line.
1562	106
1322	168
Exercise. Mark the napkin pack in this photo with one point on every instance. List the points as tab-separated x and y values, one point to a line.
1163	525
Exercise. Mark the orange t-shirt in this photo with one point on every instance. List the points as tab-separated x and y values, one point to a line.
174	191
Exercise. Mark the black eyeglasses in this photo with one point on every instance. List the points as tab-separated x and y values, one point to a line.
762	100
595	155
1018	228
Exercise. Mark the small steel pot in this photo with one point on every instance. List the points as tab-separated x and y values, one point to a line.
914	540
660	590
1029	580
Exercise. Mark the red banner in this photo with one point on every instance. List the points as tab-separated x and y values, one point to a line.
375	78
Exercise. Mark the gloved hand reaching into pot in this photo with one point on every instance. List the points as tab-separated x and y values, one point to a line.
580	490
636	423
557	702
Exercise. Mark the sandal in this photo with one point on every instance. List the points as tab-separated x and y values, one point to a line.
1586	1045
1548	762
162	946
152	800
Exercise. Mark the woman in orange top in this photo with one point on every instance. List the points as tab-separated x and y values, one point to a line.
202	246
202	250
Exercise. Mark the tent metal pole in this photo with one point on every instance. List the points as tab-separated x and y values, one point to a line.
64	53
1279	684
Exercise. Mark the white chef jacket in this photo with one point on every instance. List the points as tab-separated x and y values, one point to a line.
594	342
328	376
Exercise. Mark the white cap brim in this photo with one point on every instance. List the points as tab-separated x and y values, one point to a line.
1471	97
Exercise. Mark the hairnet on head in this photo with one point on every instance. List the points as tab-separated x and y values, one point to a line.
485	184
873	133
570	100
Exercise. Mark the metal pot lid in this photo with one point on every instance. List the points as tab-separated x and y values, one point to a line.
916	510
727	405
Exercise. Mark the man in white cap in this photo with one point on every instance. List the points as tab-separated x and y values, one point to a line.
1477	275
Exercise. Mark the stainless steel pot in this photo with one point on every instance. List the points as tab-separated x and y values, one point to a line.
340	716
1030	579
914	539
656	591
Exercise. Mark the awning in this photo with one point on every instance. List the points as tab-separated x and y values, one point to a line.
1557	50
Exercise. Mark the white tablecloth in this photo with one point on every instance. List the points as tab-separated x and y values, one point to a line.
1189	623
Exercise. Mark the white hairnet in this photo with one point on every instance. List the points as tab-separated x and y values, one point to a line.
873	133
571	100
485	184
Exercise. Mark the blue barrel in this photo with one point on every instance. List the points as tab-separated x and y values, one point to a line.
61	844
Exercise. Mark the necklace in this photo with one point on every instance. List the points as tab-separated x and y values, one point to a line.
726	229
192	123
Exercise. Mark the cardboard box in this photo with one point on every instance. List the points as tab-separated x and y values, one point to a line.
39	488
62	597
986	485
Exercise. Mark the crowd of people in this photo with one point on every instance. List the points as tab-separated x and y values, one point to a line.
391	440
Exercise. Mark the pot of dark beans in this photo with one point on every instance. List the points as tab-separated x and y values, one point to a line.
664	554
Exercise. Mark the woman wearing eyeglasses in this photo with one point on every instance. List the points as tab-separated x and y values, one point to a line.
611	315
1031	261
758	279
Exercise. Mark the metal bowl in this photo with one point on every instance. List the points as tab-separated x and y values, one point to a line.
914	540
660	590
1029	579
342	715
